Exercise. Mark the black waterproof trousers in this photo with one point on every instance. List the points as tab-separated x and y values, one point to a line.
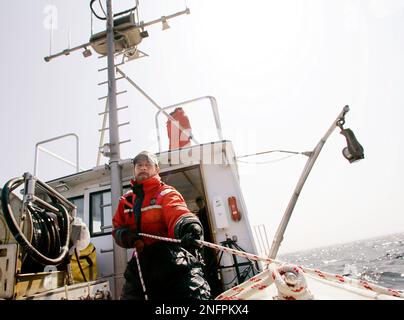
169	273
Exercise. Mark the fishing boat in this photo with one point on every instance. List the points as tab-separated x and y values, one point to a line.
56	240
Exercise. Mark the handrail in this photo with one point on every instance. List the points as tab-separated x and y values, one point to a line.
215	111
55	155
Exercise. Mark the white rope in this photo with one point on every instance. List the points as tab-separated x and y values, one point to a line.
140	273
291	288
217	247
354	282
263	280
248	288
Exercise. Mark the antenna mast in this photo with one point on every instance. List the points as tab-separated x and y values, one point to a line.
105	44
114	155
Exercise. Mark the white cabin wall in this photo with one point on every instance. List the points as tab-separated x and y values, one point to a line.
221	181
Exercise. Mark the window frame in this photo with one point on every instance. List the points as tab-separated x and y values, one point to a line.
84	206
91	220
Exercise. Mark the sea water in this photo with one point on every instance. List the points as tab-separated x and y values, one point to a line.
378	260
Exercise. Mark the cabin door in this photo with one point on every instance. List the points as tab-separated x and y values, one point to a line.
189	182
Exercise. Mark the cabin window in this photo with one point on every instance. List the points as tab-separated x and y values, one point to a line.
79	203
100	213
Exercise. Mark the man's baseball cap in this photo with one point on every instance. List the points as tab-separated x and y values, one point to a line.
146	155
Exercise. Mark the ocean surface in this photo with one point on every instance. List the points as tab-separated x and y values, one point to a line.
378	260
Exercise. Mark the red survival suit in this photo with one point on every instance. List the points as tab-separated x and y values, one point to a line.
169	271
179	138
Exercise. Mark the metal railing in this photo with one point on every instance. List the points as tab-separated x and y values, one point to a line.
37	147
215	111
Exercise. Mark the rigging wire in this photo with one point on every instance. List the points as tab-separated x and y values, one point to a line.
267	162
115	15
69	36
291	154
51	37
51	33
102	8
272	151
93	11
137	11
92	23
69	30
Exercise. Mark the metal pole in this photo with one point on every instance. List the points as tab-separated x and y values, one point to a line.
120	257
292	202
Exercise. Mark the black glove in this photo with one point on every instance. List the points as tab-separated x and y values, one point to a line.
128	239
192	233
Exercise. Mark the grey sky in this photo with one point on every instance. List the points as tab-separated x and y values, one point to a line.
281	72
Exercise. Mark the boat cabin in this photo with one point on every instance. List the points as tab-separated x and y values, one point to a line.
207	172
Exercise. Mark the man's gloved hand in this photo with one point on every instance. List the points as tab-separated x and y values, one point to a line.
129	238
192	233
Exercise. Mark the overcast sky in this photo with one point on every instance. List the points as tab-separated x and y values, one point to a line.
281	72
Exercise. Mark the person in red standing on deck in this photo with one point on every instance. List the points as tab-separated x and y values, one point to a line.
170	270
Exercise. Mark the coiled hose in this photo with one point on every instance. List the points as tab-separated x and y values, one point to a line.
49	245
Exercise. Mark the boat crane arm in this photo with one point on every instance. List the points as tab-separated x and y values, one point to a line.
306	171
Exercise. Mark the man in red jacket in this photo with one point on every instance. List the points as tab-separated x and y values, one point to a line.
170	271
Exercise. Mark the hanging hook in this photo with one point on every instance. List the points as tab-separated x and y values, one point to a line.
341	121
